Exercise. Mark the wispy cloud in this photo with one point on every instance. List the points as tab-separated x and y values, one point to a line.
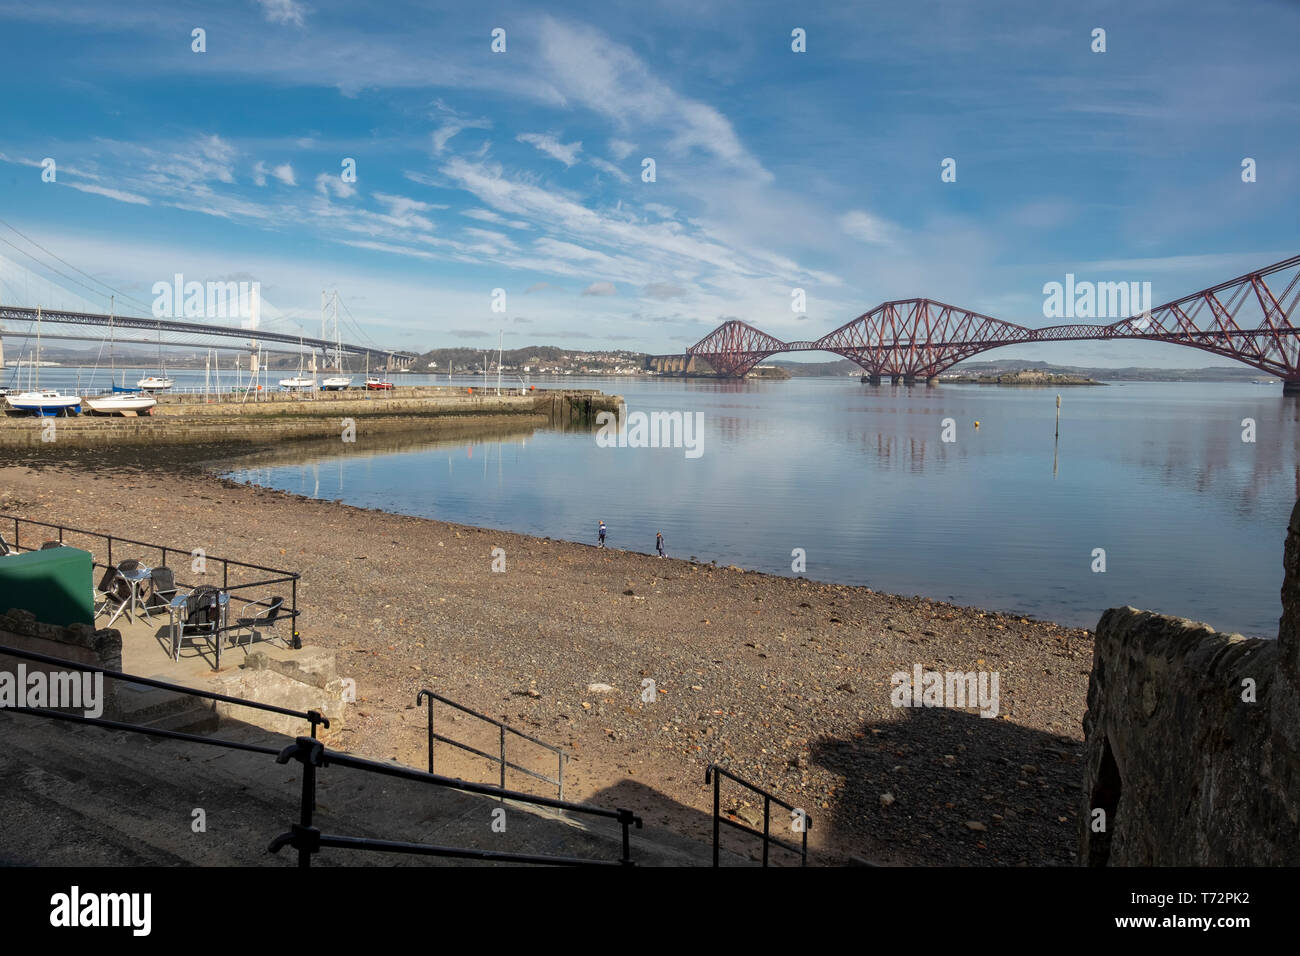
865	227
566	153
117	194
284	11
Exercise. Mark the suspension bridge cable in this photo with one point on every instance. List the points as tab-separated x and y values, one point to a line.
118	292
45	265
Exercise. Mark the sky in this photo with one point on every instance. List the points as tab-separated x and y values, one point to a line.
524	170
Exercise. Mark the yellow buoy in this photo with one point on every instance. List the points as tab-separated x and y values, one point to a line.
977	424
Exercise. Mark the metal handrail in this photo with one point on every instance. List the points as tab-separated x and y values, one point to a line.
714	775
307	840
284	577
561	754
313	755
312	716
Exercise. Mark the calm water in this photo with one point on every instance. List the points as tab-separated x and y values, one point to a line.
1191	517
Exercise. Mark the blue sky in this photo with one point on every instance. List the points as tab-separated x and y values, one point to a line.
775	170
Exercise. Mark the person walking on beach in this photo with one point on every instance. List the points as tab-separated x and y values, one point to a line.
659	543
601	531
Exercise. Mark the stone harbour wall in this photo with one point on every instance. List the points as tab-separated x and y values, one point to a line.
1192	751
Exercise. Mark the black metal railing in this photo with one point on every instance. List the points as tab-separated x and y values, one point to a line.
500	759
308	840
281	576
315	718
313	755
800	820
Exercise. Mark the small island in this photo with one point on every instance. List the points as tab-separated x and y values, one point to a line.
1024	377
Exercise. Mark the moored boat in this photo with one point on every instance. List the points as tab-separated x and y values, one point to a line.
155	383
122	403
46	402
378	384
336	383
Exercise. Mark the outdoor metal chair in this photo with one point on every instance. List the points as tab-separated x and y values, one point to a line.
162	589
200	616
265	614
115	591
4	547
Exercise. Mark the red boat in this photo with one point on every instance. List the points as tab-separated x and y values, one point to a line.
376	384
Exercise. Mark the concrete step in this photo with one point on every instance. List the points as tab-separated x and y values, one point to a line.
84	796
196	720
136	703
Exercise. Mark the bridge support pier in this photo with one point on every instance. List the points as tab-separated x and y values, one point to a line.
870	379
909	379
895	379
932	381
1291	387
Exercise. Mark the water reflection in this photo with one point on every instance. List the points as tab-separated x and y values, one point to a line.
1191	517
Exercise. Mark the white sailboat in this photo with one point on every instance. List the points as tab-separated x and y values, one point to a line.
160	382
128	404
45	402
334	383
299	382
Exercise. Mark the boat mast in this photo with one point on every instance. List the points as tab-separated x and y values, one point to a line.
338	336
112	365
37	387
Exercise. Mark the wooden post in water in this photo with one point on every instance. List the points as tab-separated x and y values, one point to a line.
1056	442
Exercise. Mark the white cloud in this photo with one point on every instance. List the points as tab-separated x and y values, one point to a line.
444	133
284	11
663	290
328	183
259	173
566	153
485	215
605	165
600	288
284	173
388	247
117	194
621	148
589	68
865	227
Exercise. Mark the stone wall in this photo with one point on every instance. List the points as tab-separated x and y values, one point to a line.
1193	740
287	418
80	643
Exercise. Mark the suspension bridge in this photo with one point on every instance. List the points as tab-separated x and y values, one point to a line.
229	317
209	335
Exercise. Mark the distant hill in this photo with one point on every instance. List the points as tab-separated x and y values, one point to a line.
1132	373
1213	373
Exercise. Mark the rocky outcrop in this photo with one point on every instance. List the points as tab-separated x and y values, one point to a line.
1193	740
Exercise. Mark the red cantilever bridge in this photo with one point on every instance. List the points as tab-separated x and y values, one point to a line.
916	339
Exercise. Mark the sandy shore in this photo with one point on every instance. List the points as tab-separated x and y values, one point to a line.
786	681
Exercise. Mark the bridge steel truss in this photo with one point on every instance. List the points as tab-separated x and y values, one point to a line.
1242	319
